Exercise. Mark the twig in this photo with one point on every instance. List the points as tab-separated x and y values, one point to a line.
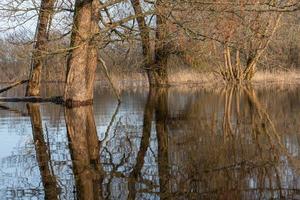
109	79
13	85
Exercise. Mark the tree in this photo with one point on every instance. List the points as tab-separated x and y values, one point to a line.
162	45
156	68
83	58
45	15
145	39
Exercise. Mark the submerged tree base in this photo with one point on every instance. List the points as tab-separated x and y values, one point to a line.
70	103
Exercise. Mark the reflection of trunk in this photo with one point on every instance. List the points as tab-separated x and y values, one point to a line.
227	126
161	46
83	60
42	152
46	10
161	114
157	102
145	141
84	148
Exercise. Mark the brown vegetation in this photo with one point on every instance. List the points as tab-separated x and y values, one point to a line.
230	39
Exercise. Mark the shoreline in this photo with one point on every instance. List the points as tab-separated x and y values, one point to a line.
189	78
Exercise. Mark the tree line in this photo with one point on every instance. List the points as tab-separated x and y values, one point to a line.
232	36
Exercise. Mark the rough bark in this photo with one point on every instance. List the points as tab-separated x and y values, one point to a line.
42	153
34	84
85	148
83	58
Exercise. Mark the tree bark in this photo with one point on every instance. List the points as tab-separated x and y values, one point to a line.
85	149
34	84
83	58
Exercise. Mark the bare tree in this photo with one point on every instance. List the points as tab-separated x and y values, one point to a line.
45	15
83	58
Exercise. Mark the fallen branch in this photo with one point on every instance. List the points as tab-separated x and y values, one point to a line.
13	85
56	100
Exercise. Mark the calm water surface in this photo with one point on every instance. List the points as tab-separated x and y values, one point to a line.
177	143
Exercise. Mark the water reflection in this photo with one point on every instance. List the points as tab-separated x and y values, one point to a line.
42	153
84	148
226	143
157	104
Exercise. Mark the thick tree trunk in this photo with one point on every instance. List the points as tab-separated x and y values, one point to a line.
42	153
82	63
161	46
34	84
85	149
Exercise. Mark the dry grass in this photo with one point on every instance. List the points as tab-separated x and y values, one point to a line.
194	78
191	76
280	77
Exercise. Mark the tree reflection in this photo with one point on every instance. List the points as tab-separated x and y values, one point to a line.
220	145
161	116
84	148
157	103
245	157
144	145
42	153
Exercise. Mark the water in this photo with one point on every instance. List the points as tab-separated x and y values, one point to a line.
177	143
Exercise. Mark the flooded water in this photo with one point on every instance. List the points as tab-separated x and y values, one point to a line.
176	143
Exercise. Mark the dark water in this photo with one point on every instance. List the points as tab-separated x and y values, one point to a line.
177	143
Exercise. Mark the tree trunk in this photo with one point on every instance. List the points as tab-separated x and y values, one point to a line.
83	58
34	84
85	149
42	153
145	38
161	46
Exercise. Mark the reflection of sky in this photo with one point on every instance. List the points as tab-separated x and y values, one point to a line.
13	133
17	155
